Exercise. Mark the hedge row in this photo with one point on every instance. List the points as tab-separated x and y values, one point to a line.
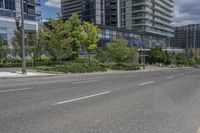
126	67
73	68
84	68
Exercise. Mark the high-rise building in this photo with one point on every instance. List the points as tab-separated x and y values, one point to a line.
70	6
186	37
9	9
102	12
152	19
147	16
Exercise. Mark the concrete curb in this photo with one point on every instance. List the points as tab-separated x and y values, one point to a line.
47	74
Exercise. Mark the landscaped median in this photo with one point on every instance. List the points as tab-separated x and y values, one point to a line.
85	68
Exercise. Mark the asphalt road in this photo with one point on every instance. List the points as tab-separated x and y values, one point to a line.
165	101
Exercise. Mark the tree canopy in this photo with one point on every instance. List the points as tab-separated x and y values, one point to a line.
90	37
120	51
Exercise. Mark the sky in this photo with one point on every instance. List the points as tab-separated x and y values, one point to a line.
186	11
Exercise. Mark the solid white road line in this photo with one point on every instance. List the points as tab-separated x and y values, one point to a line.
83	82
81	98
13	90
170	77
146	83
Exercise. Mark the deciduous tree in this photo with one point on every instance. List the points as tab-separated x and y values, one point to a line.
120	51
90	37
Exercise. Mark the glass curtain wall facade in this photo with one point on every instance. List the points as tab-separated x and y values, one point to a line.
9	9
70	6
107	34
147	16
88	10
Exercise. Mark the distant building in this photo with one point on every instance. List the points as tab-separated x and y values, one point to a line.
186	37
11	8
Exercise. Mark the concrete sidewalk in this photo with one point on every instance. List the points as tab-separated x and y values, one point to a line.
16	73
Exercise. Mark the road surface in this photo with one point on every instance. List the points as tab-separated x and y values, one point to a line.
165	101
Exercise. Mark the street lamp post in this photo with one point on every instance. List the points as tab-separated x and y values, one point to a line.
194	43
17	20
23	40
143	54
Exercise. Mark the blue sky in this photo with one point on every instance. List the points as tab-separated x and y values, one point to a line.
48	10
186	11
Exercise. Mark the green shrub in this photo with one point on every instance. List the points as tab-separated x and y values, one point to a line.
44	58
84	61
2	65
106	65
126	66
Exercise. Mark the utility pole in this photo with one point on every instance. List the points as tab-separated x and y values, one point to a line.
23	40
143	51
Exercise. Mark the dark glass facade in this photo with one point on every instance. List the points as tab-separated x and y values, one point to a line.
70	6
103	12
111	12
10	4
1	3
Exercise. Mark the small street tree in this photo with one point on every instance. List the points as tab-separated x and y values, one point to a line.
156	55
102	56
16	44
119	51
90	37
58	41
36	45
3	49
73	28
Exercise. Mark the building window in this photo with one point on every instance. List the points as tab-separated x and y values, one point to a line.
3	34
10	4
1	3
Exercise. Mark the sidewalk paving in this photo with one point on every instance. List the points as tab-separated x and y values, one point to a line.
16	73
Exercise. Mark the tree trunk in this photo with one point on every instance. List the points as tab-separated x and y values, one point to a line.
89	59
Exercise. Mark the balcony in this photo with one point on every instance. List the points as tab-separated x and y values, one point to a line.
164	28
7	13
163	22
168	2
143	3
35	2
170	19
142	17
33	12
158	32
167	7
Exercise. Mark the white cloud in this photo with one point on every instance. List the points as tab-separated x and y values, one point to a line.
53	3
187	12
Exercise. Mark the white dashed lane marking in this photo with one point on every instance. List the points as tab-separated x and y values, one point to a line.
81	98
